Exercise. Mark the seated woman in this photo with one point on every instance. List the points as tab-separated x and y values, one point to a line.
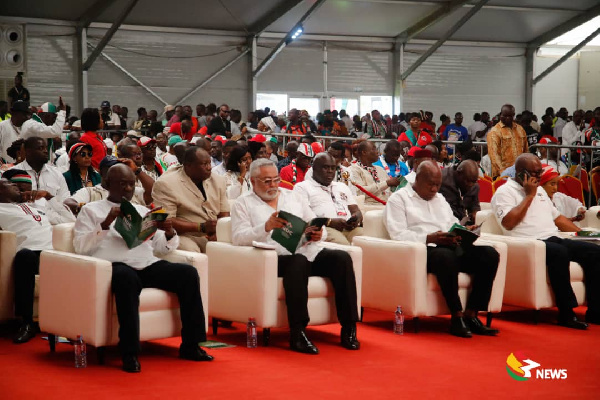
81	173
237	176
568	206
17	152
257	148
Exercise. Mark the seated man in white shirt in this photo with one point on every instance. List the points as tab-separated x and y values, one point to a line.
418	213
371	178
523	209
34	234
44	176
333	200
138	268
253	218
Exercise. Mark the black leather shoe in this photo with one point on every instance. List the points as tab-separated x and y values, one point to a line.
195	353
25	333
348	337
459	328
131	364
572	323
300	343
478	328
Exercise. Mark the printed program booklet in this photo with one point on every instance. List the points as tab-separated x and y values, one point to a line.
134	229
292	235
467	237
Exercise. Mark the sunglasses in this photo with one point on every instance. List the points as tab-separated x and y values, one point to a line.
85	153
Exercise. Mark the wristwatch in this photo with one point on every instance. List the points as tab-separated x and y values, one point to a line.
138	171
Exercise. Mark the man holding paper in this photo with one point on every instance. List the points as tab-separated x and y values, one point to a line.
418	213
138	268
256	216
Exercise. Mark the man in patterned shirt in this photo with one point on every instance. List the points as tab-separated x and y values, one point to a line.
506	141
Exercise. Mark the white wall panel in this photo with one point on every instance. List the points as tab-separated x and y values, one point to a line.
589	80
559	88
470	83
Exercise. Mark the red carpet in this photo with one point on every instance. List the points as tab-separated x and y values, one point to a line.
430	364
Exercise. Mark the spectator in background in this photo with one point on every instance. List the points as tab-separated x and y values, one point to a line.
572	133
376	128
560	122
346	120
142	123
371	178
221	125
445	122
237	178
81	173
221	169
568	206
389	161
455	132
427	123
200	112
235	117
18	92
295	172
532	135
295	125
4	115
272	150
91	122
110	119
291	150
123	116
506	141
415	136
476	126
149	164
176	116
169	112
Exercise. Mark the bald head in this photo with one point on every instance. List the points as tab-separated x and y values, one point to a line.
467	175
203	143
120	181
527	161
428	180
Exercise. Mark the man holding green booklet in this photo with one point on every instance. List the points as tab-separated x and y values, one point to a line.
278	218
135	267
419	213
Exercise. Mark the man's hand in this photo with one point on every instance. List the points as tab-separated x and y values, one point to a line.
61	104
353	222
210	227
167	226
337	223
530	184
112	215
274	222
580	215
313	233
392	182
129	162
36	195
443	239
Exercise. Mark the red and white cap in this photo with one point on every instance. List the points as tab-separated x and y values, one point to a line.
221	139
306	149
144	141
77	147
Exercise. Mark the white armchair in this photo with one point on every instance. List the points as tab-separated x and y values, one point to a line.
76	297
527	283
8	249
395	273
243	283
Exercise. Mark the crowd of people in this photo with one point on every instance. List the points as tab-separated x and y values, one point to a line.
201	168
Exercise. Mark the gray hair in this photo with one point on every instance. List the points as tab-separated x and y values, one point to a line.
258	164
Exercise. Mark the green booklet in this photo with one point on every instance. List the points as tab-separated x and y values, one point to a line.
587	235
134	229
403	182
292	235
467	237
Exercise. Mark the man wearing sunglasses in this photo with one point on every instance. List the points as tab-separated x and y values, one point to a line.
221	125
523	209
254	217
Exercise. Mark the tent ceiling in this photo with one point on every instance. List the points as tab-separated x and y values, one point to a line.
511	21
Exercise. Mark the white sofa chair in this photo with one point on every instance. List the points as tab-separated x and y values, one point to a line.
527	282
76	297
243	283
8	249
395	273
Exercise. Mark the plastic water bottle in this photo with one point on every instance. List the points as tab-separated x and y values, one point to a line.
399	321
80	353
251	338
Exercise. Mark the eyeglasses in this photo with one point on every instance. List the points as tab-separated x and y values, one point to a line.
150	146
269	181
85	153
226	111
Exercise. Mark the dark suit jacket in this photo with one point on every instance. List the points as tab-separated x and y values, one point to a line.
218	126
461	203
